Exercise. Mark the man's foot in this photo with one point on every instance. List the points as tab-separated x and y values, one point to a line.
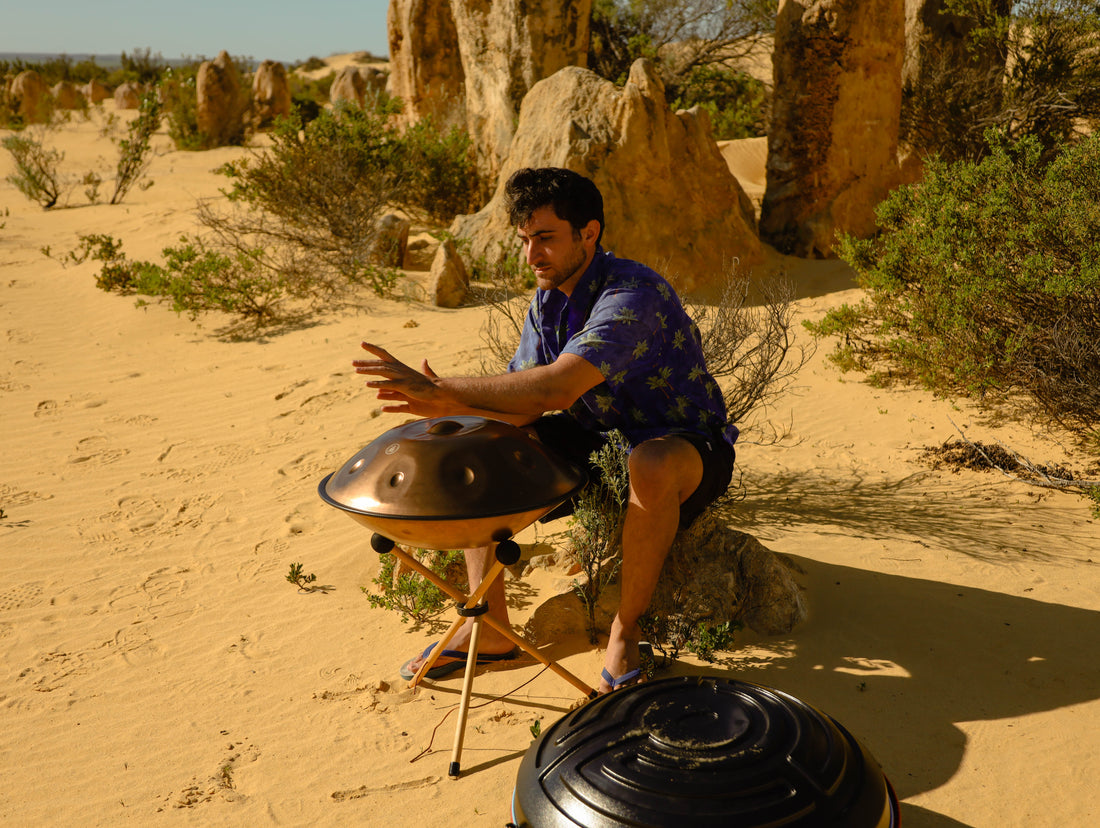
623	661
449	661
491	647
630	677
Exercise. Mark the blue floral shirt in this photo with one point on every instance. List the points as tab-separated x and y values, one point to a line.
626	320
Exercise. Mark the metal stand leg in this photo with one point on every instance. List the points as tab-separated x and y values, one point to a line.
474	606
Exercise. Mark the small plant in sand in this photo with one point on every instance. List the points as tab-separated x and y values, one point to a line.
134	151
671	634
595	530
298	577
36	169
417	599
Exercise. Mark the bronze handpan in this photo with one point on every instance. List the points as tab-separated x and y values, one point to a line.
451	482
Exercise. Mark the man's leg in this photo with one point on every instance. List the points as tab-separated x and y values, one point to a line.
663	474
490	642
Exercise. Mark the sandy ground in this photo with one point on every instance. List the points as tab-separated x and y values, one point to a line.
158	479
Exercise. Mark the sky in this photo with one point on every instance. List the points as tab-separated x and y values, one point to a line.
260	29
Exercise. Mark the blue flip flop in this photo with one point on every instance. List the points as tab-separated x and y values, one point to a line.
459	662
626	678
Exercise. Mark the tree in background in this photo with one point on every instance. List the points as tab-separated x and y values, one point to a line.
1029	69
698	46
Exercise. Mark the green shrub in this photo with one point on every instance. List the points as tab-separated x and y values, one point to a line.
445	182
134	151
1022	68
36	174
309	97
141	66
193	278
311	64
735	101
321	188
595	529
181	108
413	596
985	280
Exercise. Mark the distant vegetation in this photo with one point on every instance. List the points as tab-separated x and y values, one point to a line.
302	218
139	66
698	47
1033	70
175	79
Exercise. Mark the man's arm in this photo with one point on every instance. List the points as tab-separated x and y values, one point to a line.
518	397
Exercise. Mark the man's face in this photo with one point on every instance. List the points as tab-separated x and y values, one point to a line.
556	252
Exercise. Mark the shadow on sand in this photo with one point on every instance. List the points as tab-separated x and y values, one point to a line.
900	661
882	654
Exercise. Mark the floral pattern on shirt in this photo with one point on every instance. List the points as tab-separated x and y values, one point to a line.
627	321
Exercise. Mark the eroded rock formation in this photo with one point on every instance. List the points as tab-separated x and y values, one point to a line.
506	47
348	85
713	575
425	65
270	93
449	279
220	105
670	200
128	96
66	95
30	97
95	92
832	145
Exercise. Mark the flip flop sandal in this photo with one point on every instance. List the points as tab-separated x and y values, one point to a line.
460	660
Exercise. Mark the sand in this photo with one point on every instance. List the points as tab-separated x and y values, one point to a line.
158	479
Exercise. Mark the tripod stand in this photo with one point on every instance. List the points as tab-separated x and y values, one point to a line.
506	553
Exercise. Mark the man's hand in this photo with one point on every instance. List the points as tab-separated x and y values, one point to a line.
412	392
518	398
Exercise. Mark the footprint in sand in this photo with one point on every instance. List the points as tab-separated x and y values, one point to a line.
140	514
46	408
11	496
370	790
152	593
94	451
135	644
51	670
8	382
267	556
25	595
293	387
251	647
221	784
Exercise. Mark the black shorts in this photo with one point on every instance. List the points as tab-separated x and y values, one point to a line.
573	442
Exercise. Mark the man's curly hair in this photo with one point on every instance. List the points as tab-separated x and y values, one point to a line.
574	198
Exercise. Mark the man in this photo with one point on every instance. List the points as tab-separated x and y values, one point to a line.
607	344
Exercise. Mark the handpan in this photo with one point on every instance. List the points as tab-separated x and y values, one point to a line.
452	482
